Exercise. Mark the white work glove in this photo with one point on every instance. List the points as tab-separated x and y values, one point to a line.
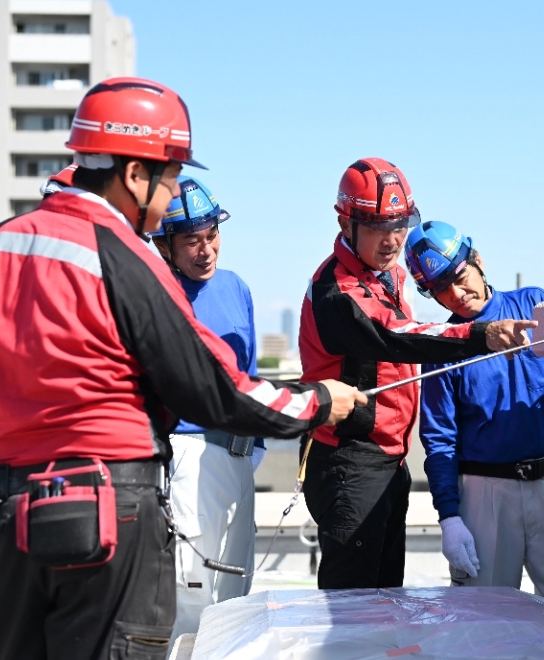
257	457
458	546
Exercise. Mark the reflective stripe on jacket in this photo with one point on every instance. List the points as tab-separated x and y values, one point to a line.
100	350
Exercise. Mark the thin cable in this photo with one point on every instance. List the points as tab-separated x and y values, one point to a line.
301	475
214	565
459	365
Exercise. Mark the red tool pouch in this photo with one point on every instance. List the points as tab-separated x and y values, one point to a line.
73	526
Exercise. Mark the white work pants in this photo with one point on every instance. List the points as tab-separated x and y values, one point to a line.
213	501
506	518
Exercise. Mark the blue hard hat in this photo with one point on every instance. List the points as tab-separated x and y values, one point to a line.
193	210
436	253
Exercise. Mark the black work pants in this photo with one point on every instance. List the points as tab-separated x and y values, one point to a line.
358	496
122	609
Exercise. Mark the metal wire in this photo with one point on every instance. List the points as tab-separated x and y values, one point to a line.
458	365
239	570
214	565
294	500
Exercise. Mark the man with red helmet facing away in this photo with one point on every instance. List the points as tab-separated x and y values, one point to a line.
357	327
100	353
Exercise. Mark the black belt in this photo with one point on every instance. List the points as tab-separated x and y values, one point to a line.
236	445
524	470
13	480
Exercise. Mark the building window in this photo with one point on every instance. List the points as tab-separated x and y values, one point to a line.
51	75
52	24
40	166
18	207
43	121
33	78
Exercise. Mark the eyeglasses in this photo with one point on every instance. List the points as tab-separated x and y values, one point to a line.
383	222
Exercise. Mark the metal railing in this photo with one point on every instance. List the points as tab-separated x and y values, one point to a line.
279	374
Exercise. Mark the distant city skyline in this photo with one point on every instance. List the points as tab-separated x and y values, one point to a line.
288	326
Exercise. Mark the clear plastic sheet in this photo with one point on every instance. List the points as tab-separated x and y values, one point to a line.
438	623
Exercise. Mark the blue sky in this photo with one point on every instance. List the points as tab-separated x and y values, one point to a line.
283	96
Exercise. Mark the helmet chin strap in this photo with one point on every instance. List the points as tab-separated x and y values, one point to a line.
170	261
486	285
440	303
154	177
353	239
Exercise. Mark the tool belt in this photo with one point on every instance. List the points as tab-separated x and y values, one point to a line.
524	470
66	514
236	445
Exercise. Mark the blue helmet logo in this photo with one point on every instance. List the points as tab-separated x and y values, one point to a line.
433	264
436	253
394	199
198	203
195	209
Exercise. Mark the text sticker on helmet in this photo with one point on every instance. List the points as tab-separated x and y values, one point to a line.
120	128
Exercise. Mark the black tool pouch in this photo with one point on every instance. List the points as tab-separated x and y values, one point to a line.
75	526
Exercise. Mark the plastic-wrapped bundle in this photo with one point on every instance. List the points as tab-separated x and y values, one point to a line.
439	623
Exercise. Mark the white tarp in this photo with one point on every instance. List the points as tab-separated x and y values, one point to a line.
439	623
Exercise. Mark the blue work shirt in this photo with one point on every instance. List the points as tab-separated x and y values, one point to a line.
489	412
224	304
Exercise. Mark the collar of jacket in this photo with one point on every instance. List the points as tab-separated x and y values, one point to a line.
357	268
95	213
88	210
82	207
92	197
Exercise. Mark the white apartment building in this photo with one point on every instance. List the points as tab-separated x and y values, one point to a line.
51	52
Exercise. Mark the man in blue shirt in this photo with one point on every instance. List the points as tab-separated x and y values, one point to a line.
212	486
482	426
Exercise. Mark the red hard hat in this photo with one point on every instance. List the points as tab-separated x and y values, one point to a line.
133	117
375	193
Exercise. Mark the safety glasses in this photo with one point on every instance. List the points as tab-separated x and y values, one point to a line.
382	222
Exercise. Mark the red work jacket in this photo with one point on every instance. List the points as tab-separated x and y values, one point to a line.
352	329
98	342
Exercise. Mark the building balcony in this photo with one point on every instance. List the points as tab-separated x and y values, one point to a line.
47	7
24	187
33	97
37	142
44	48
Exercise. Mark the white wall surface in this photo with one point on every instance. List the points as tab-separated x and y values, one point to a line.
50	6
57	48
